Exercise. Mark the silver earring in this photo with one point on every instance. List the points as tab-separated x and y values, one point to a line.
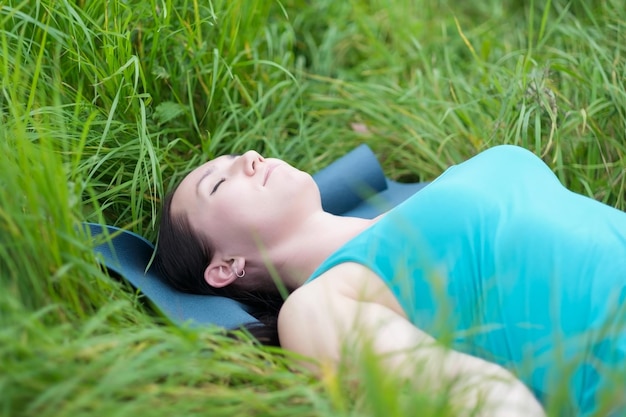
243	273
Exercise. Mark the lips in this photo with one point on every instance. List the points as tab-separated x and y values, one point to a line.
268	172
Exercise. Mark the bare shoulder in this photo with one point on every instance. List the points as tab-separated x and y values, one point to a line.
314	315
360	283
306	309
347	280
348	309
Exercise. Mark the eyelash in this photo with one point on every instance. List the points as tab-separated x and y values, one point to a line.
217	185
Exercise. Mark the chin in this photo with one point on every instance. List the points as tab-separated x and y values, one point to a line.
305	192
310	186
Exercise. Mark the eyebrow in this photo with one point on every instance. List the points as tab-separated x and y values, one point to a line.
210	170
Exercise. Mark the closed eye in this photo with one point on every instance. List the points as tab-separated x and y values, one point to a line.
217	185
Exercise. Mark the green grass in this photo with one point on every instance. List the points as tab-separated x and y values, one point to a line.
105	105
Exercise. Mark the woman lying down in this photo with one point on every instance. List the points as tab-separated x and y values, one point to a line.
493	278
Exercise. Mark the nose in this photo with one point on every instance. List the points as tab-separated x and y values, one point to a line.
249	162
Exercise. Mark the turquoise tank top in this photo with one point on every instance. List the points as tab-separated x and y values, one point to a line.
497	259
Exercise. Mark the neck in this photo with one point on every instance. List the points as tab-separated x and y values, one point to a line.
298	255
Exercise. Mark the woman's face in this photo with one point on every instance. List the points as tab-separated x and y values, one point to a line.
245	200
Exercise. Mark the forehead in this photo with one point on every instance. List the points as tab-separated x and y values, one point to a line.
206	169
186	190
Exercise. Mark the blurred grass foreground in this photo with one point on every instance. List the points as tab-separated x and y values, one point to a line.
104	105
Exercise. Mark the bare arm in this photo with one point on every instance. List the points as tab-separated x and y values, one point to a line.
321	321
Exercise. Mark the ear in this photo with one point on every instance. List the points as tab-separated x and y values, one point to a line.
222	272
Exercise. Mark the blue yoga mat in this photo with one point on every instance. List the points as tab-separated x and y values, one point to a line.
353	185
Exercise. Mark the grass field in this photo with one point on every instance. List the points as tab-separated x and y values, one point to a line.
104	105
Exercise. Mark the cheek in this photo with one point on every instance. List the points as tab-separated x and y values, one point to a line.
297	183
244	209
220	216
240	213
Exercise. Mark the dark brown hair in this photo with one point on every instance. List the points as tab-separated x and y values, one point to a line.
182	255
